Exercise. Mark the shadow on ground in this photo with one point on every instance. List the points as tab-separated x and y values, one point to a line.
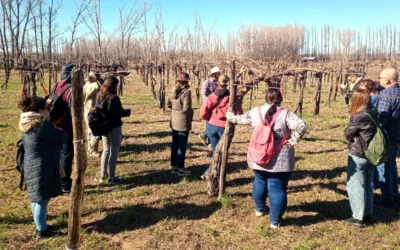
141	216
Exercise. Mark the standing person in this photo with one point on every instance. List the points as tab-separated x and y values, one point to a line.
389	117
374	88
351	85
360	172
90	91
42	143
207	88
180	101
111	104
214	110
63	88
271	180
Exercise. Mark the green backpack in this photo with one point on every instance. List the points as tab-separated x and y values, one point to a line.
379	147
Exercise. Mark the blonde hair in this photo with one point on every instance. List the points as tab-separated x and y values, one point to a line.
359	99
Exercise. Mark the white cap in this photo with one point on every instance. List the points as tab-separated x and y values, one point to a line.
215	70
91	74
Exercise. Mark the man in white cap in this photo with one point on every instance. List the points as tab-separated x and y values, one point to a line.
207	88
90	91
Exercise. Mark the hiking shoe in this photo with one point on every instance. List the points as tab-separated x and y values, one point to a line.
183	172
203	139
355	222
259	214
43	234
115	181
274	226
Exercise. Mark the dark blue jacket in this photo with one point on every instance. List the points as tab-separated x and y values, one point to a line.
42	142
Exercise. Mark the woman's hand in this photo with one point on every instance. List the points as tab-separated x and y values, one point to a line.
229	115
288	144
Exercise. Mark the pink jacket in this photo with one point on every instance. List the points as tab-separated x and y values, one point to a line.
213	113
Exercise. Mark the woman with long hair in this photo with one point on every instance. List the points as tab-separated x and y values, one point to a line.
180	102
271	179
42	143
360	172
109	101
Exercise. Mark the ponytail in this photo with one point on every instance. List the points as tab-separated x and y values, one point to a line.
273	97
270	113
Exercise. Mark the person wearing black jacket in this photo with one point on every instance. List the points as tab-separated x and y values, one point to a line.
360	172
42	143
111	142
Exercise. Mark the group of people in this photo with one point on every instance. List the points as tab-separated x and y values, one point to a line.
47	138
372	105
271	179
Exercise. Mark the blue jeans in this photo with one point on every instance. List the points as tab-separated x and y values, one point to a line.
178	148
360	174
379	175
275	186
67	157
214	133
109	157
39	212
390	187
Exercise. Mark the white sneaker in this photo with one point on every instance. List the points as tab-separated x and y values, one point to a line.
272	226
259	214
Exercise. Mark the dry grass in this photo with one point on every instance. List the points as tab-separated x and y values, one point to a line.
157	210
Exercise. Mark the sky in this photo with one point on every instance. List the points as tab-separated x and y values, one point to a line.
227	15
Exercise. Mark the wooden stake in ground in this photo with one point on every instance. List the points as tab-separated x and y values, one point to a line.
317	97
80	161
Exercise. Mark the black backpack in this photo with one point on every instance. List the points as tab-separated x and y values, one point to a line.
98	119
57	106
19	159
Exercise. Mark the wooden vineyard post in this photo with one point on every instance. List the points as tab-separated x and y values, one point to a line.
330	92
302	83
80	161
228	136
121	85
317	97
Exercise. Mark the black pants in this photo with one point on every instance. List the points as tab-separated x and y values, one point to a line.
67	157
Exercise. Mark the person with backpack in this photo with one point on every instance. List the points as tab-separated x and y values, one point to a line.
110	104
389	118
90	90
180	101
41	160
374	88
271	154
59	102
360	133
213	110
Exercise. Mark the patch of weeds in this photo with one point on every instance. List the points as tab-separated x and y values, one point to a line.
62	220
227	201
166	203
121	192
211	231
3	194
307	245
144	192
184	180
96	241
263	231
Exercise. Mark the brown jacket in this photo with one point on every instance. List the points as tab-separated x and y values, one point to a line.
180	101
